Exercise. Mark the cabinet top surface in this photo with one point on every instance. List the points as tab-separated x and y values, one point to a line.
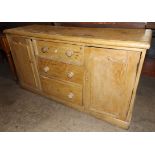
136	38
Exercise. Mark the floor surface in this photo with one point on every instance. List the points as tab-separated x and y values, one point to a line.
21	110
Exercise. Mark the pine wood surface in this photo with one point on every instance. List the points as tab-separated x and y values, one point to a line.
136	38
93	70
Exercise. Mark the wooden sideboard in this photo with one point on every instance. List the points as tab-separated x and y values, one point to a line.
94	70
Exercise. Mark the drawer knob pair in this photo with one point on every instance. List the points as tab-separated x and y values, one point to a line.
70	95
44	49
70	74
46	69
69	53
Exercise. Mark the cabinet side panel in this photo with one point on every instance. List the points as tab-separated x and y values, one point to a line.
139	69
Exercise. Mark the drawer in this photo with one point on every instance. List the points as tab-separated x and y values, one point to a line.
62	91
67	53
61	71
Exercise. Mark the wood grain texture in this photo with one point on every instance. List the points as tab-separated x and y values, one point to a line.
61	90
61	71
111	76
99	75
21	52
136	38
138	73
67	53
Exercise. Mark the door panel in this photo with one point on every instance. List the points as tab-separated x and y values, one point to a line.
22	55
111	78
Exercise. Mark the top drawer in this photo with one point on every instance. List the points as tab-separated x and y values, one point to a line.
67	53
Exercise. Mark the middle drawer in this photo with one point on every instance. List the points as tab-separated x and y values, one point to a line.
60	70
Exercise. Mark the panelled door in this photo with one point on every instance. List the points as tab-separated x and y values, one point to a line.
110	79
24	61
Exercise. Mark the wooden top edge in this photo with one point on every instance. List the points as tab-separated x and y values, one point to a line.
134	38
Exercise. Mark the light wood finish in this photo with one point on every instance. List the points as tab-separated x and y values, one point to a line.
61	71
139	69
66	53
60	90
134	38
24	62
93	70
112	95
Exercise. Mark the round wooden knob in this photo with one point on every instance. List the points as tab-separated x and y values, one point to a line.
69	53
70	74
46	69
44	49
55	51
70	95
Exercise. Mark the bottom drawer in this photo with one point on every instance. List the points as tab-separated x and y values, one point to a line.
62	91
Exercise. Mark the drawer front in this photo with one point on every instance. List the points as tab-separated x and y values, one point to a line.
68	53
62	91
61	71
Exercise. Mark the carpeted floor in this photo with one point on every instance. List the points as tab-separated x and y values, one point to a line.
21	110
